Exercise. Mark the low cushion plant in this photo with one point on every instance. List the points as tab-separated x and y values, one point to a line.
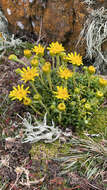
58	84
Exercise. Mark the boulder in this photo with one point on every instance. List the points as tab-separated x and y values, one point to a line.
52	20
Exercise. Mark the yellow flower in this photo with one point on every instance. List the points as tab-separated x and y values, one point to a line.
61	107
29	74
75	59
102	82
12	57
19	93
46	67
62	93
39	50
99	94
87	106
65	73
91	69
27	101
27	53
34	62
55	48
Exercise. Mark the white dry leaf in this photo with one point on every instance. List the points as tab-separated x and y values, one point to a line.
7	40
3	23
41	131
89	2
95	34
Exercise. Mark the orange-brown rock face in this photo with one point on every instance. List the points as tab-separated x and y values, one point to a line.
60	20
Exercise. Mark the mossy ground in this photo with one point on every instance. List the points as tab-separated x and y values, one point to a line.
44	151
47	151
99	122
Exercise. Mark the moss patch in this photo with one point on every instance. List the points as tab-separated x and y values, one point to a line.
99	122
45	151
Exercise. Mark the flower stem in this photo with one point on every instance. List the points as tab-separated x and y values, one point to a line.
44	106
36	110
65	83
53	61
33	86
49	80
74	70
40	101
57	60
60	117
41	79
22	62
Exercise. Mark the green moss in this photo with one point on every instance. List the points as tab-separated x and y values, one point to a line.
99	122
98	125
45	151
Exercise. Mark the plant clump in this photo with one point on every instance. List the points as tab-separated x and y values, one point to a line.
69	97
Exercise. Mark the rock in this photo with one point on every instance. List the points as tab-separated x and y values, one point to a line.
55	20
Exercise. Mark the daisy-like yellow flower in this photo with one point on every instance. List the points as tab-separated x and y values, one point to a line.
27	101
19	92
12	57
39	50
75	59
46	67
62	93
61	107
65	73
55	48
27	53
91	69
34	62
29	74
102	82
99	94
